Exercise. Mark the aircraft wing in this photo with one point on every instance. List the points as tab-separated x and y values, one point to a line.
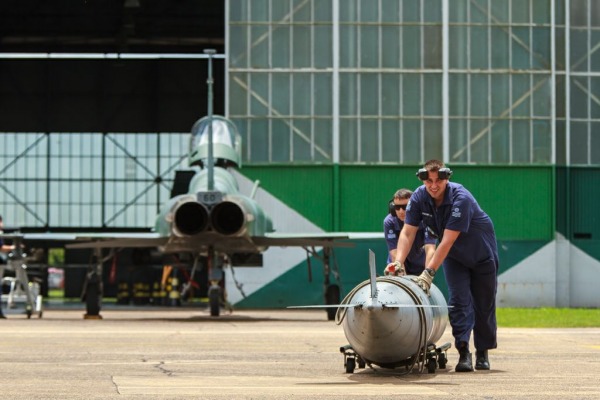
117	240
201	241
304	240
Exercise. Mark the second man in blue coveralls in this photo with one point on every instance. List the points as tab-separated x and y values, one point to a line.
467	248
423	245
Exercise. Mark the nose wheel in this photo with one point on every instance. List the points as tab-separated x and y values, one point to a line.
214	300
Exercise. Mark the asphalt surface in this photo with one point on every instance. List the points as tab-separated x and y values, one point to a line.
282	354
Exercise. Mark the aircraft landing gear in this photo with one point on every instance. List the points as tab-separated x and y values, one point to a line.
216	277
93	289
214	300
93	300
331	291
332	296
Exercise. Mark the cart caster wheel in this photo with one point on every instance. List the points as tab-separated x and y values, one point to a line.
350	365
431	364
442	360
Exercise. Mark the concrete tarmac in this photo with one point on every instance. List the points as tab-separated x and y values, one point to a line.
280	354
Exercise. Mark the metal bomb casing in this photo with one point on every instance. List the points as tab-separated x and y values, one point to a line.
392	328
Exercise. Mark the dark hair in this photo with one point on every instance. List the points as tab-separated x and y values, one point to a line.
402	194
433	165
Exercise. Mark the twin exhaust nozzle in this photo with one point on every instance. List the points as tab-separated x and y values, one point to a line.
192	217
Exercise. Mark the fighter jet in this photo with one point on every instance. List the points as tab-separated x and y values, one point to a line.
391	322
213	221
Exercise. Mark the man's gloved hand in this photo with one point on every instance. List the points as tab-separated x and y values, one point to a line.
394	269
424	281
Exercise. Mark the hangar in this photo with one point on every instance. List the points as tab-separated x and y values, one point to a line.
352	98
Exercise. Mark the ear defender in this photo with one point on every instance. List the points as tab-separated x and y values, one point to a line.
443	173
391	208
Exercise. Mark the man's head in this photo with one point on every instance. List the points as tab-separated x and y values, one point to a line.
400	200
435	176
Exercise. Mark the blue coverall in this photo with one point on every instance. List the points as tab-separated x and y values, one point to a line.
471	267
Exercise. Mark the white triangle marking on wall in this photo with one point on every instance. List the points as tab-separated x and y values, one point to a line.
557	275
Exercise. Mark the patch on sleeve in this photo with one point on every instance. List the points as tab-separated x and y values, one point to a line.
456	213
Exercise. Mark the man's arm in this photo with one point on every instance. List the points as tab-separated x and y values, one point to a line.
390	237
426	278
405	241
440	253
429	251
392	254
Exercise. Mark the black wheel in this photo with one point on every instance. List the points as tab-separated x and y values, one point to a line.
332	296
214	299
350	365
442	360
361	363
431	364
92	299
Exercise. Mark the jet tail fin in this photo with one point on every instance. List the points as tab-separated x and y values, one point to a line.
372	268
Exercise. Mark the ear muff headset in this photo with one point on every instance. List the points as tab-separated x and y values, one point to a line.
443	173
391	208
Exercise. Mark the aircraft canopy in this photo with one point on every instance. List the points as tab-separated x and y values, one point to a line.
227	142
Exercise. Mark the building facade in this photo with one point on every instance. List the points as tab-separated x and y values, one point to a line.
338	103
352	95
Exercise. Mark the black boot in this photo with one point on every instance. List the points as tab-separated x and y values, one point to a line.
481	360
2	316
465	363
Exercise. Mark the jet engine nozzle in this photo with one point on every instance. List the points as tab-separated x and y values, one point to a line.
190	218
227	218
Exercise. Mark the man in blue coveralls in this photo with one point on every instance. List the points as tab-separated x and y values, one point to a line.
423	246
467	248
